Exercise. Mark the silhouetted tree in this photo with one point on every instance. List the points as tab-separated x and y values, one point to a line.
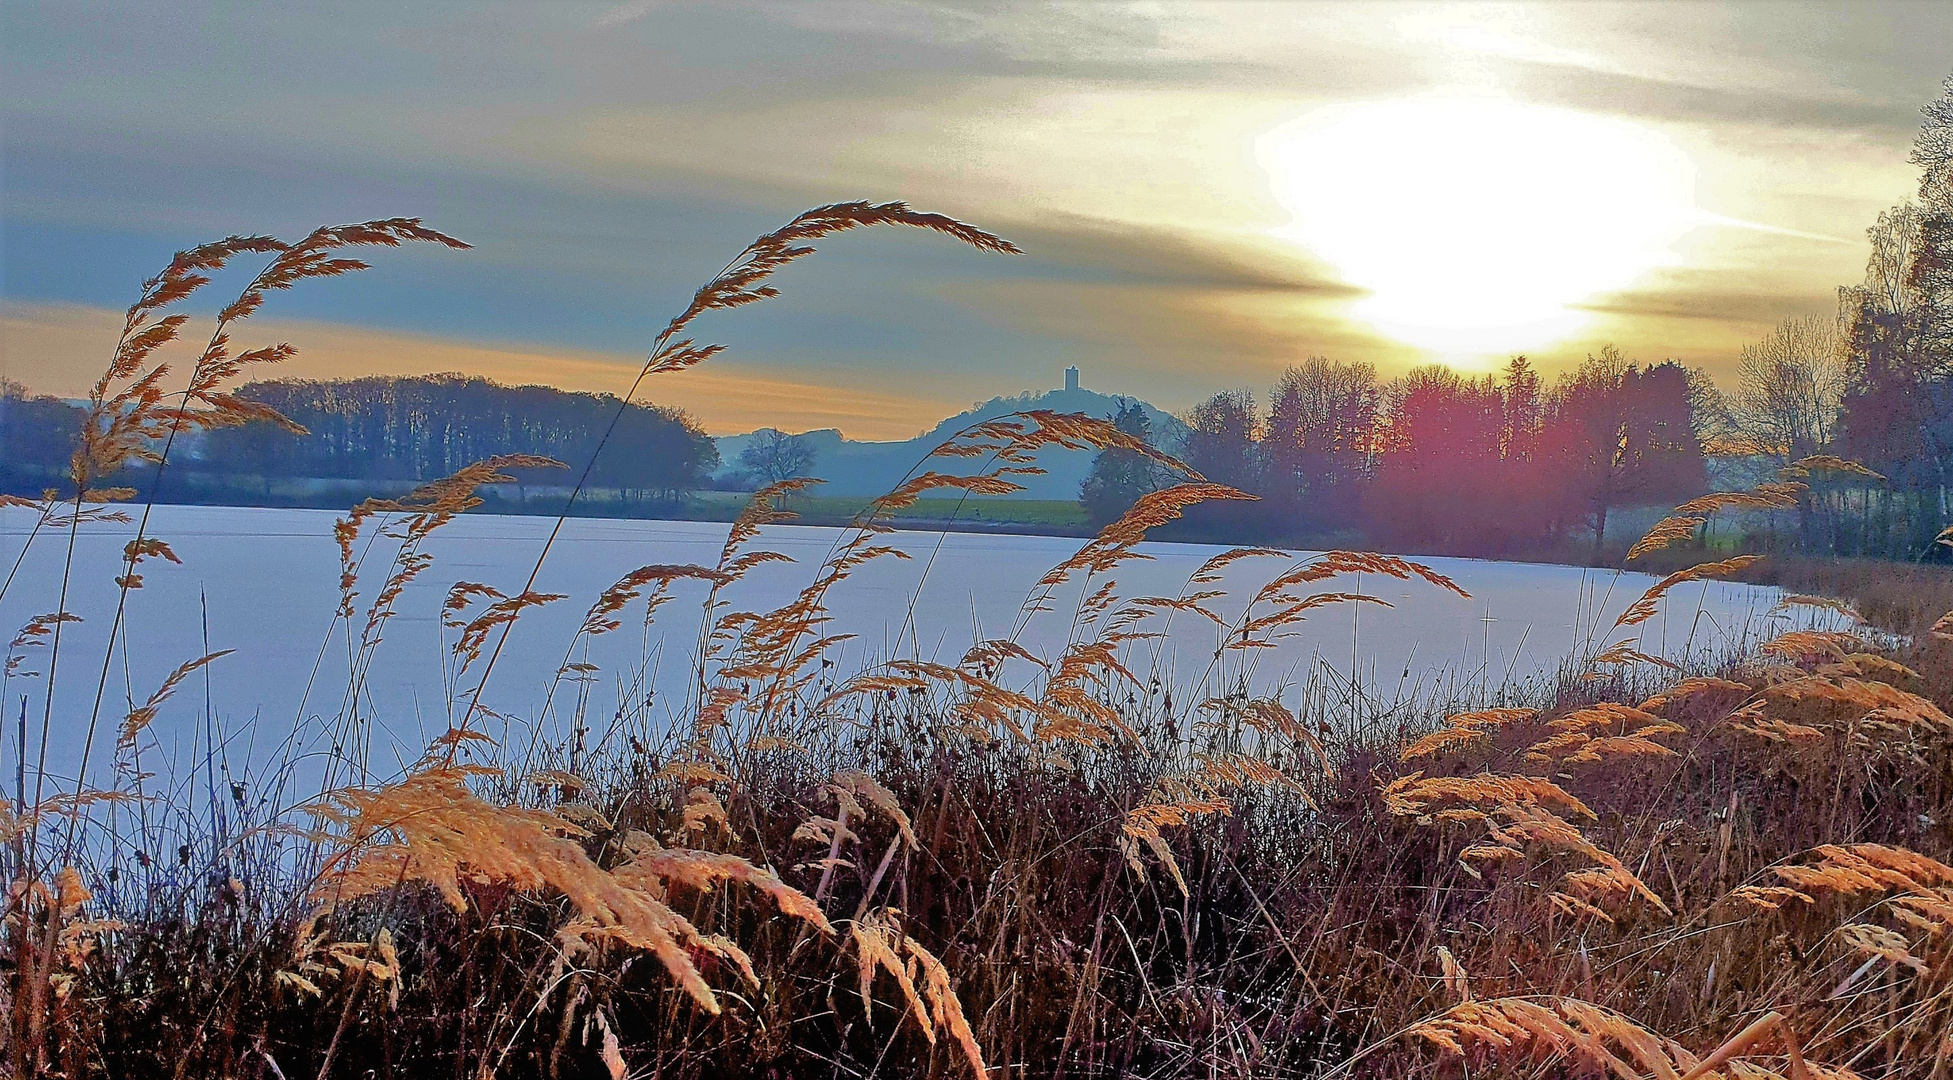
1788	404
421	428
773	456
1438	459
1525	410
1316	446
1223	444
1221	439
1527	494
1898	414
1932	267
1789	396
37	437
657	454
1625	436
1119	477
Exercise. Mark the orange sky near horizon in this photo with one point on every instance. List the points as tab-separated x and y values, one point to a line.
47	346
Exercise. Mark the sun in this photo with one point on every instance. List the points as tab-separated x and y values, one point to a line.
1475	223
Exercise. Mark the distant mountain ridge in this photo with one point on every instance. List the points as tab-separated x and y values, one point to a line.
868	469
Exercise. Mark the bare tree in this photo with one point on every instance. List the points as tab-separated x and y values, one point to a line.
1790	388
1318	435
1932	268
774	456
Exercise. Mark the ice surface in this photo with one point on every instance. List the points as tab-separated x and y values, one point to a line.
265	582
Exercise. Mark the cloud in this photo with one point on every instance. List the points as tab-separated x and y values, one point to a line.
605	161
1754	308
60	348
1103	249
626	13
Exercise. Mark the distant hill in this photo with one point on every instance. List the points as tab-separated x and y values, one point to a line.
869	468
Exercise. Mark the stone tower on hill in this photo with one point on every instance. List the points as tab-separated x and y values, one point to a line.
870	468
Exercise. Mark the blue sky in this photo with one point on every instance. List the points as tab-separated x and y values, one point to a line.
605	158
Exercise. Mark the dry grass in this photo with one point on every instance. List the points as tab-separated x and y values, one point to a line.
1014	863
1905	598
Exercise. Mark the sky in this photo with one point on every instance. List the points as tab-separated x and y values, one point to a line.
1205	193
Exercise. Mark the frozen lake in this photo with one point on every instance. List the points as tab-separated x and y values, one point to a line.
264	582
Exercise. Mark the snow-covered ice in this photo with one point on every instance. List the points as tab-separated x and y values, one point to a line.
265	583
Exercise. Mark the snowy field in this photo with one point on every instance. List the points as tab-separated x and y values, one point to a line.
264	582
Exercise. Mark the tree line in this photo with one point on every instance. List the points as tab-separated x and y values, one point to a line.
1503	464
1435	460
37	435
400	429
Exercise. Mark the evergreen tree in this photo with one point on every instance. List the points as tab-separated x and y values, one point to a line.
1625	436
1119	477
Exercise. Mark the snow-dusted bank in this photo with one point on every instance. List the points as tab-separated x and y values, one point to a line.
265	583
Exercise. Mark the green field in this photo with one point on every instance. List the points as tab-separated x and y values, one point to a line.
1057	514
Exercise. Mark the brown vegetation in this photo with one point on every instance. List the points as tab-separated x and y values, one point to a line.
1015	864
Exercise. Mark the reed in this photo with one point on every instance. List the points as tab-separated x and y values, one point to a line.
1015	863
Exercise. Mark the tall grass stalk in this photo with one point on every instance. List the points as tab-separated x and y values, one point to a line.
1076	863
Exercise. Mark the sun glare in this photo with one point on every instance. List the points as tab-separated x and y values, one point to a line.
1474	222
